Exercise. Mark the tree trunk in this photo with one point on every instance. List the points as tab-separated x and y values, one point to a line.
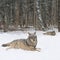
16	13
59	15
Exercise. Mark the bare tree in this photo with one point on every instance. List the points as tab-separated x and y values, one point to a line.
58	15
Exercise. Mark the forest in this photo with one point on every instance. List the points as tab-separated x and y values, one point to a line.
19	14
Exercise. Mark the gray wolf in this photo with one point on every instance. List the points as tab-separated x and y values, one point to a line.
52	33
25	44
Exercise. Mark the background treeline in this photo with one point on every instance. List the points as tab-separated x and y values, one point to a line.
41	14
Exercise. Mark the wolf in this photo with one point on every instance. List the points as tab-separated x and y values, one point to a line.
25	44
52	33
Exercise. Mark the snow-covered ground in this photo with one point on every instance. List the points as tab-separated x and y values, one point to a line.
50	47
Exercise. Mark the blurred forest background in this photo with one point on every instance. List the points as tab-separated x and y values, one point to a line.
20	14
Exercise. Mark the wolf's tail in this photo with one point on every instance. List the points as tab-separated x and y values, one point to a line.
5	45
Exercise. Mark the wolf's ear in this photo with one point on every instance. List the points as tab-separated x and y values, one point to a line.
34	33
29	33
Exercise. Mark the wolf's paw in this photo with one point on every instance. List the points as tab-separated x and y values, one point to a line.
38	49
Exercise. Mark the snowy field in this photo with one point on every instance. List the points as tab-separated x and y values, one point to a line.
50	47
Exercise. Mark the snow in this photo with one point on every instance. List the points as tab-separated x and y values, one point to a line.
50	47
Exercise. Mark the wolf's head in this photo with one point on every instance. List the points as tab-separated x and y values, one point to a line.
32	39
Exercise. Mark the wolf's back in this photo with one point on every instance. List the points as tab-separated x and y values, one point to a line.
15	44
